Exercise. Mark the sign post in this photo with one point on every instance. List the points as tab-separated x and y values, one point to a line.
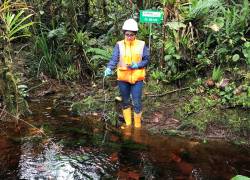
151	16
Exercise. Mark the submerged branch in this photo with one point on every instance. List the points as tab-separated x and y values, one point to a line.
29	124
164	94
2	113
34	87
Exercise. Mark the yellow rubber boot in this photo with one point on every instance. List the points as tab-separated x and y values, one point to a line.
127	116
137	120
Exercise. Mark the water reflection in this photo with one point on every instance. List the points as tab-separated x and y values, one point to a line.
179	158
135	155
55	163
9	157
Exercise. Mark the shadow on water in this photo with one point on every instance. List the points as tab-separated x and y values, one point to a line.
81	148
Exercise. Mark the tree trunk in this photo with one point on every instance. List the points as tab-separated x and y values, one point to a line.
104	7
164	36
86	11
139	4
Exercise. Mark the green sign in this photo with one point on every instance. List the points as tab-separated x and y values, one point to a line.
151	16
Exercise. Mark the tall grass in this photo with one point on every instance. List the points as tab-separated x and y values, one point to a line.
47	61
217	74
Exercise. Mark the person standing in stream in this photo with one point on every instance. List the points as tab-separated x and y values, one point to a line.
130	57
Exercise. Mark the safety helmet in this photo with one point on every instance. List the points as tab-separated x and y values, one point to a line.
130	25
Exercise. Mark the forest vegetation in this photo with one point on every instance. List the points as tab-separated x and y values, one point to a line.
200	52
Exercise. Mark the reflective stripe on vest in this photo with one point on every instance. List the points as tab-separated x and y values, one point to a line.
130	52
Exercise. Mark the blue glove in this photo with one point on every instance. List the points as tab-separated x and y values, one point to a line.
134	66
107	72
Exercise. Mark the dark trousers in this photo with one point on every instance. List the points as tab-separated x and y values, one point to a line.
135	90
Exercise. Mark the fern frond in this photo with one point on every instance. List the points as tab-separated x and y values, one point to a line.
98	57
104	54
203	6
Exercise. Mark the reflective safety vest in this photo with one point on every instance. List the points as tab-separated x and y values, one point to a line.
130	52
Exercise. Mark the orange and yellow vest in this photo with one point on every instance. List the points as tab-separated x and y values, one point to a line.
130	52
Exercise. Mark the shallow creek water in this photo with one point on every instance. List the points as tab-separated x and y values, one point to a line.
81	148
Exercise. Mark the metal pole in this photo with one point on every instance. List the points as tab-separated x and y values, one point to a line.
149	43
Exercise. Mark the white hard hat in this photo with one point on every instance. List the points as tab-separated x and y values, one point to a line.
130	25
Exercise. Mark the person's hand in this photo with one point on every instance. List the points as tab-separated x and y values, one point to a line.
107	72
134	65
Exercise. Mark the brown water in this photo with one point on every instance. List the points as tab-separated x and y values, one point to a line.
81	148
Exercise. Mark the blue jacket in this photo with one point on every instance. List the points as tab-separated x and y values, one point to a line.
116	56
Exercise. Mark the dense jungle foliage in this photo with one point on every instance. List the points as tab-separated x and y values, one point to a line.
202	44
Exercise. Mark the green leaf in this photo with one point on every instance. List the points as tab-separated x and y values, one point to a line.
247	44
98	57
236	57
101	52
177	56
22	86
19	26
16	37
16	18
176	25
59	33
240	177
167	57
19	29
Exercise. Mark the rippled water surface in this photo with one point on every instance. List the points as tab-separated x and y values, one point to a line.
81	148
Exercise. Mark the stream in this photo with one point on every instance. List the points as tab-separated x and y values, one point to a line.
82	148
